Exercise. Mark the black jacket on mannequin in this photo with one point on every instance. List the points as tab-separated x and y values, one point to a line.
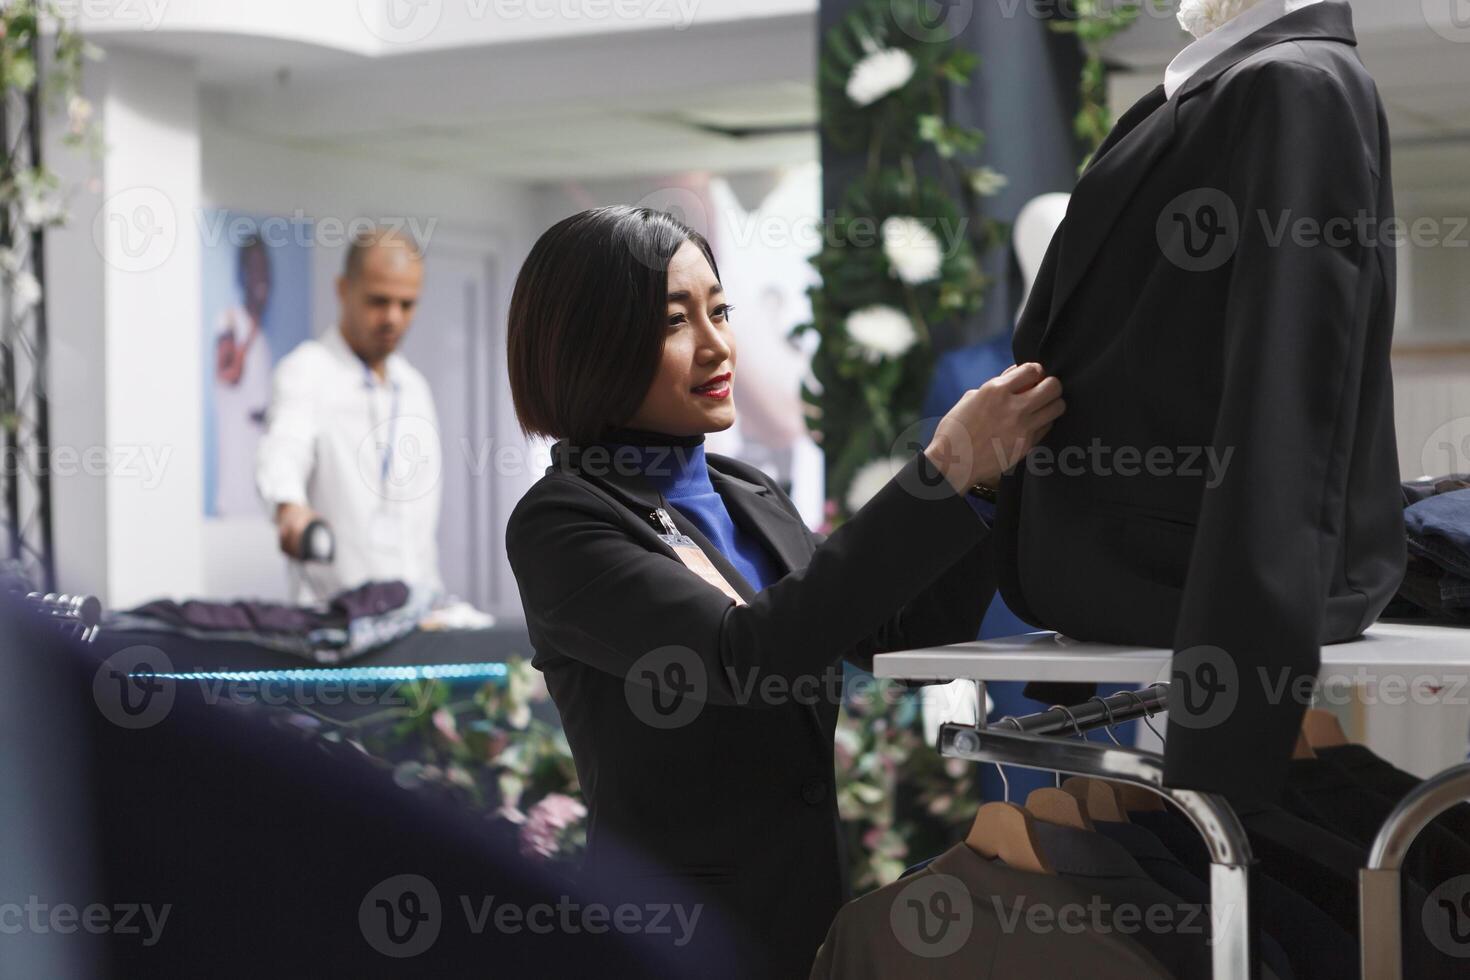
1218	304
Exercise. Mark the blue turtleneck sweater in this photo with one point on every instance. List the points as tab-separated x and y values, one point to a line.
676	466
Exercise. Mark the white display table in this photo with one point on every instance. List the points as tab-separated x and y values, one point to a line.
1408	652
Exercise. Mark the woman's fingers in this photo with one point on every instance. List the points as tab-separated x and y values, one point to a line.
1022	377
1047	390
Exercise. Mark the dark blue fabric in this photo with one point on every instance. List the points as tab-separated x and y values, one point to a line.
983	507
682	475
1439	529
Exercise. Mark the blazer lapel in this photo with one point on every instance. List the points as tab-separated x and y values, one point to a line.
1106	186
751	507
1147	129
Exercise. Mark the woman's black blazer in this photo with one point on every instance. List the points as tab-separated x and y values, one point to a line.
702	730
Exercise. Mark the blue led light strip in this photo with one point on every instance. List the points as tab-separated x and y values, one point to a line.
345	674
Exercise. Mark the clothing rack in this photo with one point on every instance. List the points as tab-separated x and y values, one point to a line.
1380	885
77	615
1015	742
1092	714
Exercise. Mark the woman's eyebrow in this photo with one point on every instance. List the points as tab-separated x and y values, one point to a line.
680	295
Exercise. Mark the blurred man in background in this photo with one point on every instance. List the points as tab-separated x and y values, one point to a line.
352	436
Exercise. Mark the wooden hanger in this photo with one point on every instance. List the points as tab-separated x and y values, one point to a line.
1322	729
1059	807
1102	798
1006	831
1303	749
1136	799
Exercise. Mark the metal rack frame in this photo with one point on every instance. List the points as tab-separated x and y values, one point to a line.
1016	742
1380	884
78	615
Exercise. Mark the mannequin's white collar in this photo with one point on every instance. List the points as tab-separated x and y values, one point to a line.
1217	25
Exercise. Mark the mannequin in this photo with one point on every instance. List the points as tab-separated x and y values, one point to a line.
1035	225
1200	17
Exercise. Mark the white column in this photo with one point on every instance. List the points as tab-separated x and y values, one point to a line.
124	305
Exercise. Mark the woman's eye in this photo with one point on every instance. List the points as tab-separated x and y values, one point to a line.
721	312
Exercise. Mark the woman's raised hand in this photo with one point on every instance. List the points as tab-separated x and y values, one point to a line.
993	426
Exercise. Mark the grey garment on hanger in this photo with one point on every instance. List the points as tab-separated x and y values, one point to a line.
966	917
1176	931
1160	864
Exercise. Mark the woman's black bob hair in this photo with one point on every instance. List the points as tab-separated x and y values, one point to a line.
585	335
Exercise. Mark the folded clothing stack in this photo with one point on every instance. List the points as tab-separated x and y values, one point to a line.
352	623
1437	577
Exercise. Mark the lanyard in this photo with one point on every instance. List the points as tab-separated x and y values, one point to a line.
392	425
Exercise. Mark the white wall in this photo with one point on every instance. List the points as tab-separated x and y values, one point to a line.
124	305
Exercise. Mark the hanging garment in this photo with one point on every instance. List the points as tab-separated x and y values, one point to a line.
1327	796
1377	774
1102	868
964	917
1323	868
1160	864
1317	947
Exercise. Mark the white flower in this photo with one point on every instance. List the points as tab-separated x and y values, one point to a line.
1200	17
912	250
987	182
79	113
879	73
42	208
870	478
25	292
881	331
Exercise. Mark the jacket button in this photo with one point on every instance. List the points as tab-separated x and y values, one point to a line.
814	792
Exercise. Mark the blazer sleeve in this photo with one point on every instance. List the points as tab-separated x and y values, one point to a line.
592	592
949	611
1251	615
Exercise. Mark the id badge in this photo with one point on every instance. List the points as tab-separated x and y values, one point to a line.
693	558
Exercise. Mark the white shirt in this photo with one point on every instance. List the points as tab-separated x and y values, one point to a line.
363	453
1202	51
